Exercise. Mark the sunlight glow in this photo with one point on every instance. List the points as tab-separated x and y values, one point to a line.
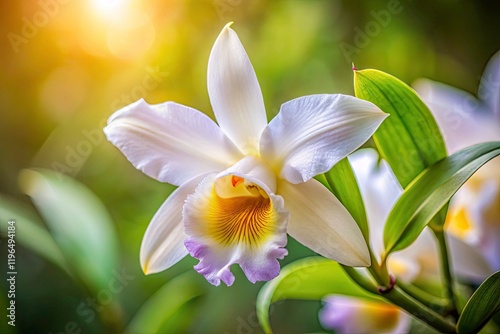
121	28
108	8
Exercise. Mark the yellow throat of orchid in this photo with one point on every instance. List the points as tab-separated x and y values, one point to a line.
459	223
239	212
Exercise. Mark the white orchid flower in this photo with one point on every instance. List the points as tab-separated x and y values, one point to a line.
419	262
245	184
465	120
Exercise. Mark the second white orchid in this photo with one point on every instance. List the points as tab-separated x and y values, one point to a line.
465	120
246	184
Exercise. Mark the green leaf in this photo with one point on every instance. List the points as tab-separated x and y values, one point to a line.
160	309
306	279
482	306
78	221
31	233
430	191
343	184
409	139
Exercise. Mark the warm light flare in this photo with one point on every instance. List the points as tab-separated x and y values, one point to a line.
109	8
121	28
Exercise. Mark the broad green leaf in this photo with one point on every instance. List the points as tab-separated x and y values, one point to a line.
160	308
409	139
430	191
78	221
482	306
30	232
306	279
342	183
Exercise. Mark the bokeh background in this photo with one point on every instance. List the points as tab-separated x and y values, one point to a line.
66	66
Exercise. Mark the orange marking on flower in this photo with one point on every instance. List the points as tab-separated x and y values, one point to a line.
236	180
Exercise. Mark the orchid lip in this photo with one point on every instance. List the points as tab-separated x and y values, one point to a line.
231	220
240	212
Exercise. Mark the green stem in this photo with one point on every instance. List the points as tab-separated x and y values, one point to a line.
363	281
446	271
399	298
379	271
440	305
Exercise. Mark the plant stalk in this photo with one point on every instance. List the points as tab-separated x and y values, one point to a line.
399	298
440	305
391	291
449	281
361	280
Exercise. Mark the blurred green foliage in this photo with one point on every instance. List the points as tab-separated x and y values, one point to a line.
65	66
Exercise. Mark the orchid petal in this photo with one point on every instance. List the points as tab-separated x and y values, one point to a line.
422	255
467	262
460	116
224	230
170	142
405	269
312	133
347	315
235	93
489	88
319	221
475	213
163	242
379	189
